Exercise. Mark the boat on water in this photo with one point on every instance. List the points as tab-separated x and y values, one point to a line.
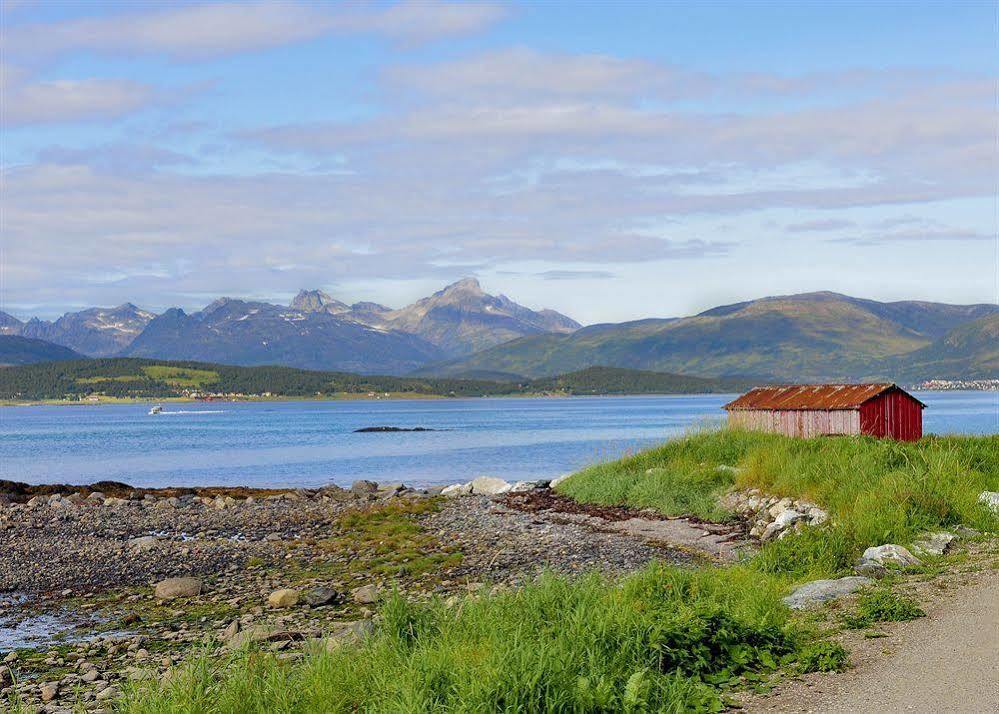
155	410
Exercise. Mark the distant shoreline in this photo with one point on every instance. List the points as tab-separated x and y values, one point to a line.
401	396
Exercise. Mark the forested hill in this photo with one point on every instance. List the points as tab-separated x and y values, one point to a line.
158	379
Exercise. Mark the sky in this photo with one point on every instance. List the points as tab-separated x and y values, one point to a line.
611	160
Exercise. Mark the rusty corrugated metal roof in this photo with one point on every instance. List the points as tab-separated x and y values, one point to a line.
810	396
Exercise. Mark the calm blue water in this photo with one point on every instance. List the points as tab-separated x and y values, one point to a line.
311	443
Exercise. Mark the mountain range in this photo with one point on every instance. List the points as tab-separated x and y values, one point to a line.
809	337
461	331
315	331
97	332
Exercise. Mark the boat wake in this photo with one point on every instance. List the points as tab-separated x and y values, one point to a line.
192	411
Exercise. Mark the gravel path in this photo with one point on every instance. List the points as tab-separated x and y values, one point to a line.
946	662
504	543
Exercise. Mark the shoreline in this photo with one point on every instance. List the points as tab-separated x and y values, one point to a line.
391	396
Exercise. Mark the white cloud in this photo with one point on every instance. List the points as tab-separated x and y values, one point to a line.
522	70
228	27
68	100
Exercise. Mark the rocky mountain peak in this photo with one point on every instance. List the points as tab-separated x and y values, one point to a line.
317	301
465	285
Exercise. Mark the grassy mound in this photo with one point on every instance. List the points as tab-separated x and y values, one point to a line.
877	491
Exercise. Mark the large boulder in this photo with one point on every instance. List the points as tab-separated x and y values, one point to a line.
877	560
819	591
457	489
178	587
363	487
489	486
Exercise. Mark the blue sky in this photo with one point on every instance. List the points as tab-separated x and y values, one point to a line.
609	160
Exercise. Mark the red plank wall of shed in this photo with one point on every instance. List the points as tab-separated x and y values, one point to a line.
894	414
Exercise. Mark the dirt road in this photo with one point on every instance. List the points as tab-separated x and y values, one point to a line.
946	662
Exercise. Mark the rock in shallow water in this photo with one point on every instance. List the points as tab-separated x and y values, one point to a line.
819	591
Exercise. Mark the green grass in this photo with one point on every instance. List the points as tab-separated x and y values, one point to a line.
664	639
184	377
877	491
882	605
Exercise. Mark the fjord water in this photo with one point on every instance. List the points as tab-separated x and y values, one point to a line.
311	443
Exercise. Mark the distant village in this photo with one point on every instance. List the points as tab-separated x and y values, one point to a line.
943	385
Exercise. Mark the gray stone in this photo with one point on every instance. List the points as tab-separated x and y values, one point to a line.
457	489
819	591
230	631
933	543
816	516
316	597
366	594
143	543
6	677
342	633
789	517
49	691
990	499
391	489
522	486
256	633
489	486
363	487
90	675
876	560
177	587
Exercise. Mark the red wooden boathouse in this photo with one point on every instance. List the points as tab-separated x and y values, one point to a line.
881	410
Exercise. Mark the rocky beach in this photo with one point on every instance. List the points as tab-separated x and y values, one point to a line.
105	587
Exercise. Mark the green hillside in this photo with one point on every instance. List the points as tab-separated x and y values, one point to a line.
970	351
156	379
26	350
818	336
